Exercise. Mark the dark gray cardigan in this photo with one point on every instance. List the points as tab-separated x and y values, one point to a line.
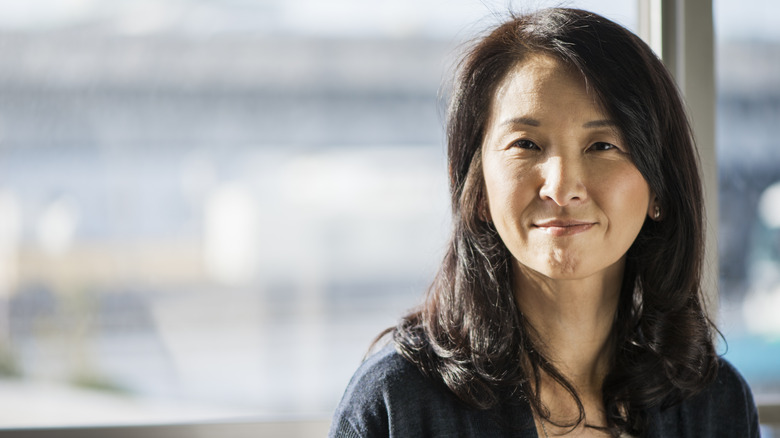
389	397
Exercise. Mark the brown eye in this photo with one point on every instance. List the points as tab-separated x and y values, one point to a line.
525	144
603	146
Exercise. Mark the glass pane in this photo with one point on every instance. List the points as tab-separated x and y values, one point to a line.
748	109
209	209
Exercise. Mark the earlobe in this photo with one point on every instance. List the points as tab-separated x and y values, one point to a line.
654	211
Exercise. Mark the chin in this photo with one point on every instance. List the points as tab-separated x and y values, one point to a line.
565	273
577	268
562	265
558	269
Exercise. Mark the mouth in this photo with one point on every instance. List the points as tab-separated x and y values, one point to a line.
557	227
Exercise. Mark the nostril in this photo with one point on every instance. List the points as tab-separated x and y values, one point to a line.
562	179
563	190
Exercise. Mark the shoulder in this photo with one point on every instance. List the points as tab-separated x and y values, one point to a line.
384	388
389	396
729	395
730	384
387	369
381	379
725	408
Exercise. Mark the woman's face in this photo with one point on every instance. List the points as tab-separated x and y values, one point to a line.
562	190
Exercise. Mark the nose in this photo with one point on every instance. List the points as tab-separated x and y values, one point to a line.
562	181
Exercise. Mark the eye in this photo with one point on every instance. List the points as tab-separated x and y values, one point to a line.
603	146
525	144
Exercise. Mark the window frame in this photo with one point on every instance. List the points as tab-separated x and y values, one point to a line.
682	33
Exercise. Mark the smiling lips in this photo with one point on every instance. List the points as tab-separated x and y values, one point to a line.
563	227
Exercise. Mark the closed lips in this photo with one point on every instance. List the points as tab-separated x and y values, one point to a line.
561	223
564	227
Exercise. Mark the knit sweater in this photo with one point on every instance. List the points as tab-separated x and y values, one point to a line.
389	397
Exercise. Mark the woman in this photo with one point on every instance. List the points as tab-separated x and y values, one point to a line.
569	302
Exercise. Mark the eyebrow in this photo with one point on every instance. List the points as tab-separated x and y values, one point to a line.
533	122
606	123
521	121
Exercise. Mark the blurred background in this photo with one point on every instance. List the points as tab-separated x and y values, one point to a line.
209	209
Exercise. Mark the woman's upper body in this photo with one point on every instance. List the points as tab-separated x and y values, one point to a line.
569	300
389	397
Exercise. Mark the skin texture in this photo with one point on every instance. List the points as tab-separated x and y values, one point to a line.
568	202
571	168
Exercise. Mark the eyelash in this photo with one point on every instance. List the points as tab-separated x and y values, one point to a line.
611	146
597	146
525	144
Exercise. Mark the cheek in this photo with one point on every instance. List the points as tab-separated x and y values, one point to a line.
510	193
509	186
629	197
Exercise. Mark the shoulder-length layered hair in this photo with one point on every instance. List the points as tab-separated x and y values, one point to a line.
469	333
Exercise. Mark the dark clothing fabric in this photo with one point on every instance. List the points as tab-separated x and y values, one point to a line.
389	397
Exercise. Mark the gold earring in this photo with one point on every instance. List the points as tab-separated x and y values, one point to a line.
657	212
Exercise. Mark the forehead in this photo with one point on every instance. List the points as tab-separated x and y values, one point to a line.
540	83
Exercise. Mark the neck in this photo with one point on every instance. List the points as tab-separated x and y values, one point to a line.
573	321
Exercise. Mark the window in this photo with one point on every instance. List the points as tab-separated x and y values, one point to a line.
748	108
209	209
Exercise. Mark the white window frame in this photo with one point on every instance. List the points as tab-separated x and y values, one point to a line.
681	32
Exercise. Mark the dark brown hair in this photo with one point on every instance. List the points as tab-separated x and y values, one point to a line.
469	333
